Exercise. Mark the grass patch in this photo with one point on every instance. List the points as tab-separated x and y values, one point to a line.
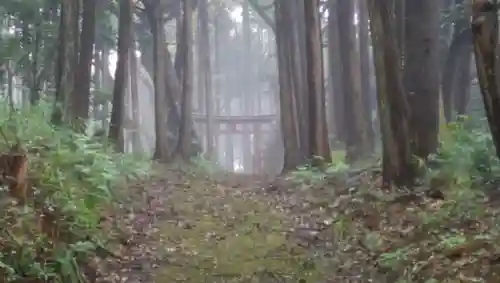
220	235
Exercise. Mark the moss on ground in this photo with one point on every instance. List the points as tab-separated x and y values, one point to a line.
219	234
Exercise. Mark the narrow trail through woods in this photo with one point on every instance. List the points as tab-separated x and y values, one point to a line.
183	226
159	214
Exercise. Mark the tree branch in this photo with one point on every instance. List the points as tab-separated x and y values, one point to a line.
261	10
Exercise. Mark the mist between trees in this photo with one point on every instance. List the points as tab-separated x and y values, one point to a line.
244	140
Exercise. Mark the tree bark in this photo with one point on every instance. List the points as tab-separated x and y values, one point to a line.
456	74
134	93
203	22
124	43
185	138
393	105
318	130
421	73
301	96
179	50
357	138
35	76
156	20
172	88
336	101
485	40
97	78
289	127
107	84
364	53
399	25
81	96
456	79
67	52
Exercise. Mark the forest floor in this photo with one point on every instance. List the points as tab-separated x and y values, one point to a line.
185	226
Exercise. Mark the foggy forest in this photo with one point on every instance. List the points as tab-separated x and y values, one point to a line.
259	141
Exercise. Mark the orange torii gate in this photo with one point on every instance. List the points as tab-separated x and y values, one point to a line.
254	130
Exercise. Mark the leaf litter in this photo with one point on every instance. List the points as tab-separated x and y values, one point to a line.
178	227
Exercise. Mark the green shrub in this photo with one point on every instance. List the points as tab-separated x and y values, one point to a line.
202	165
72	177
468	155
310	175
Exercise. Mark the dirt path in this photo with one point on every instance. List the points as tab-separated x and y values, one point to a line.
137	221
182	227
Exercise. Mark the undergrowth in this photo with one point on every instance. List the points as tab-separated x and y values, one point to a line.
202	165
309	175
467	155
395	236
70	185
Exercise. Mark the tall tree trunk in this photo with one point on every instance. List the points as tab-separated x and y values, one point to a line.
107	84
179	49
289	126
185	138
485	39
124	44
247	75
81	96
10	83
97	78
134	93
205	64
76	26
336	101
421	73
393	105
318	130
364	52
67	52
447	29
399	24
357	138
155	16
463	88
146	46
301	97
456	74
457	68
173	91
35	77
